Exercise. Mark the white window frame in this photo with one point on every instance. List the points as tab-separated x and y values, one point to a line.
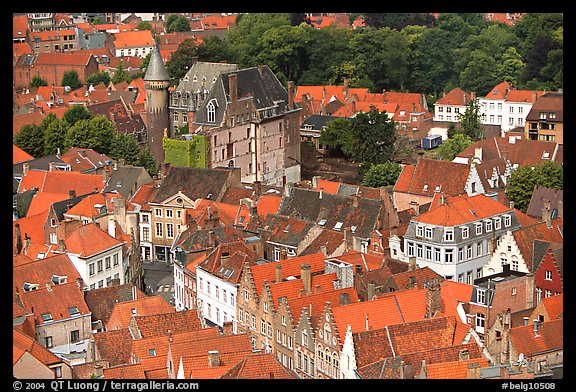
465	232
449	235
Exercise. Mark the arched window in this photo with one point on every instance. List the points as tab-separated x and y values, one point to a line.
211	108
231	163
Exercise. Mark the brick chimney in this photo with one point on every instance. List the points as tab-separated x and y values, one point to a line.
227	328
547	213
306	276
433	299
371	291
233	87
278	273
213	358
414	204
165	169
290	95
25	168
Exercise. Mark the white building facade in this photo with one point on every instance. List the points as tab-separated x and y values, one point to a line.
99	269
216	298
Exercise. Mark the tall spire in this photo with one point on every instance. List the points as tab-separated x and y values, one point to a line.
156	70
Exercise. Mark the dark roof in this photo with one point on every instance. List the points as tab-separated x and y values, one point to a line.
306	204
61	207
318	121
537	201
101	301
193	240
195	183
549	102
126	180
42	163
156	70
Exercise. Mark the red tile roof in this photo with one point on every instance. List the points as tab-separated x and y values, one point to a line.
61	182
158	324
123	311
522	95
42	201
56	301
499	91
24	119
19	26
462	209
20	48
22	343
134	371
31	226
143	195
74	58
525	237
131	39
432	173
19	155
454	369
550	338
455	97
41	271
114	346
259	366
268	204
88	240
554	305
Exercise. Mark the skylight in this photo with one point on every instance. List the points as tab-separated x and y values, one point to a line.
73	310
228	273
338	225
46	317
322	222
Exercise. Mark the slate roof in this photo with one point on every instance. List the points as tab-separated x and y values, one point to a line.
195	183
550	338
38	164
306	204
203	75
540	194
290	231
432	172
525	237
193	240
127	179
549	102
156	70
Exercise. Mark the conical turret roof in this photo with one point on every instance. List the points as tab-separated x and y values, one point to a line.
156	70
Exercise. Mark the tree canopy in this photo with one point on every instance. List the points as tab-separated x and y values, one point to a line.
382	174
523	180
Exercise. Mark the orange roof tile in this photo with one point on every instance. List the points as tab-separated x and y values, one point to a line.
455	97
123	311
61	182
88	240
130	39
522	95
453	369
19	26
462	209
24	119
403	181
19	155
259	366
23	343
41	271
42	201
499	91
55	301
293	288
268	204
31	226
134	371
143	195
20	48
74	58
328	186
431	173
554	305
550	337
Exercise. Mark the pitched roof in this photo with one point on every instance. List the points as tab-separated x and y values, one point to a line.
101	301
554	305
64	59
124	371
525	237
268	204
143	195
154	325
123	311
455	97
227	260
22	343
537	200
19	155
41	271
61	182
431	173
114	345
81	159
88	240
57	301
130	39
550	338
42	201
259	366
314	303
499	91
462	209
195	183
549	102
330	239
31	226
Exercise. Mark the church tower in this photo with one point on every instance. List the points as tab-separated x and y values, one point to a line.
156	82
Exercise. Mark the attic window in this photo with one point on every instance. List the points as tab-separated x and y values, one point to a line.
353	229
133	310
152	352
46	317
119	184
30	286
73	310
322	222
209	196
338	225
56	279
425	189
241	219
545	155
287	228
437	188
228	273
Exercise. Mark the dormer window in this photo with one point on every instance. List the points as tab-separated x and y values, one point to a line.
465	232
419	231
338	225
425	188
449	235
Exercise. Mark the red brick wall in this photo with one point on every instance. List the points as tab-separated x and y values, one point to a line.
554	285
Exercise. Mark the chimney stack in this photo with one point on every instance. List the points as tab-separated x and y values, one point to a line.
213	358
278	273
290	95
25	168
547	213
344	299
433	299
306	276
72	193
536	327
233	87
411	263
211	239
52	166
415	206
258	188
526	318
320	193
315	182
371	293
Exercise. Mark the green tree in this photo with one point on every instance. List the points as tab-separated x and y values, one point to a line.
125	147
181	60
30	138
96	133
144	25
120	75
75	114
374	137
38	81
70	78
382	174
54	134
470	124
177	23
337	137
450	148
98	78
214	49
511	67
521	184
479	74
146	160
